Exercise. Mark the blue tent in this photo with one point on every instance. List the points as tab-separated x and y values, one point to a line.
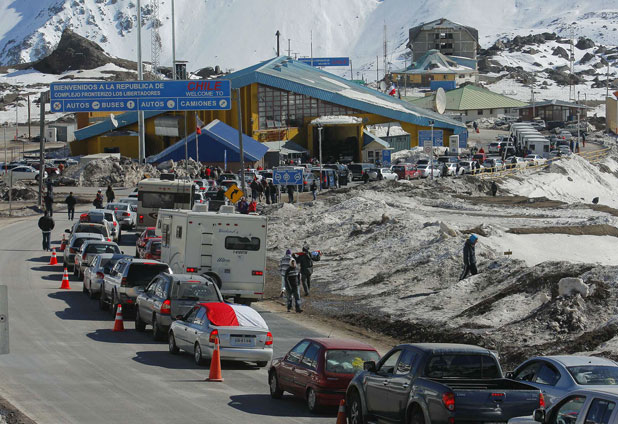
217	141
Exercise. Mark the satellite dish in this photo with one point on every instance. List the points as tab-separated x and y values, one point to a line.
113	119
382	86
440	101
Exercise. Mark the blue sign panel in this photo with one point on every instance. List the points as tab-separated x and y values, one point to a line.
463	139
326	61
426	135
288	177
386	158
112	96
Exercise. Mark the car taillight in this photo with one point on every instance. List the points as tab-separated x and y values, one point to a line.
115	223
126	214
109	239
71	250
541	400
214	334
123	282
166	308
141	218
147	255
191	269
84	256
448	399
100	275
257	273
269	339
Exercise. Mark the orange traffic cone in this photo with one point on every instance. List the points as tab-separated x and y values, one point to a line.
54	259
63	244
118	323
341	417
65	281
215	364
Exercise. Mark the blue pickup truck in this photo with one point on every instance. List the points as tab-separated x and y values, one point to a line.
434	383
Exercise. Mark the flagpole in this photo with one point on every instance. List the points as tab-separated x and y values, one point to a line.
186	146
197	149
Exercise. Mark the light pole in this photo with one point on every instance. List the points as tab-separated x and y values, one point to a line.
140	76
432	123
173	43
320	128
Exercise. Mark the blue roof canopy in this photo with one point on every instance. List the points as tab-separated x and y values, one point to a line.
216	139
105	126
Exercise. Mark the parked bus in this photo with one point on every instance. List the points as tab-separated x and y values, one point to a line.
154	194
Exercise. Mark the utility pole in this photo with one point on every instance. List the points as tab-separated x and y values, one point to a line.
311	47
44	98
351	71
377	73
173	43
240	146
431	157
140	77
155	38
289	49
278	34
29	126
385	51
197	146
16	120
320	128
186	146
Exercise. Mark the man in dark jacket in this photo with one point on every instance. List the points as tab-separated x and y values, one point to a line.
306	268
70	201
291	193
109	193
365	177
49	203
469	257
220	194
98	200
46	224
273	192
292	286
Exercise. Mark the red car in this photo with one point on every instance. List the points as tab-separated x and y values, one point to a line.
148	234
152	250
319	370
406	171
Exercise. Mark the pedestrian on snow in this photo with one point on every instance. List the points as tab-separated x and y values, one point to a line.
260	189
49	184
46	224
306	268
290	189
70	201
336	179
252	207
264	185
292	286
243	206
314	190
284	264
254	188
380	176
207	173
267	192
273	192
444	170
49	203
469	257
98	200
365	177
109	193
457	169
494	188
220	194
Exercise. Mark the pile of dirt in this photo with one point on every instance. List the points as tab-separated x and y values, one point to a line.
189	169
20	191
122	172
575	230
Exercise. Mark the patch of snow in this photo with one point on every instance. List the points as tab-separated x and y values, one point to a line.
336	120
568	286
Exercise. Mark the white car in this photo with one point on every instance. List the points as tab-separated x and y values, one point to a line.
125	215
387	174
515	162
23	172
535	160
129	200
426	170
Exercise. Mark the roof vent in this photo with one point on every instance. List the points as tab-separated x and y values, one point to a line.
200	207
277	67
226	209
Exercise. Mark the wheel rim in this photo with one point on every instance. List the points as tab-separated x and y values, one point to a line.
172	342
354	413
273	383
311	400
198	353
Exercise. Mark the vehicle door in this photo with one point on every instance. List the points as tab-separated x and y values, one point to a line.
161	294
546	378
306	371
399	387
198	329
289	364
567	411
147	300
377	384
181	330
601	411
529	372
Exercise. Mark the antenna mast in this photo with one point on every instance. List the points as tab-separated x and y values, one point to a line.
385	51
155	40
571	65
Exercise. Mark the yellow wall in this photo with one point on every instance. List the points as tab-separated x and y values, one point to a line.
611	114
128	145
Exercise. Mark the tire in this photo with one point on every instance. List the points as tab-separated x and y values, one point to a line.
197	354
273	383
102	304
171	344
261	364
416	417
355	409
139	324
312	401
84	288
157	334
75	272
112	306
91	293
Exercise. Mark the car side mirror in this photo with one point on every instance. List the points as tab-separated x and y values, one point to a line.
510	375
370	366
180	317
67	230
539	415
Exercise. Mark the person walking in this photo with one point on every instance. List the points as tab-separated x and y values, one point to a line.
284	264
469	257
306	268
266	190
49	184
98	200
494	188
254	189
290	189
292	286
49	203
220	194
46	224
70	201
273	192
365	177
109	193
252	207
314	190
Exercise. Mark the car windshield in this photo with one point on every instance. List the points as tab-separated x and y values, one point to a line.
462	366
141	274
595	375
398	168
102	248
155	247
79	241
150	233
348	361
97	229
194	290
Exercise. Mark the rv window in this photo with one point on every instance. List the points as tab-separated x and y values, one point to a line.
157	200
532	147
242	243
178	231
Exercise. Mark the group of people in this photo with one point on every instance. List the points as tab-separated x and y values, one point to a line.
296	270
262	188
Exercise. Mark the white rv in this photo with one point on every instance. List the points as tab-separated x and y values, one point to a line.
229	247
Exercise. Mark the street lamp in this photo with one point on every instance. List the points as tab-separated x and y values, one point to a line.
320	128
432	123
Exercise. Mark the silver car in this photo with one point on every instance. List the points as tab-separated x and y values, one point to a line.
126	217
556	376
108	218
242	332
75	242
88	249
98	267
169	296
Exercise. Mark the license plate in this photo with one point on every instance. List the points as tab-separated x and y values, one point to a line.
243	341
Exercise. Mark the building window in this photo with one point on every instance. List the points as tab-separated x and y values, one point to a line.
491	111
480	111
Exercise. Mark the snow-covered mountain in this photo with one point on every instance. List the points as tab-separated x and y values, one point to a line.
237	33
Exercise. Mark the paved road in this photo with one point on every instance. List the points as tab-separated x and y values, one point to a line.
67	366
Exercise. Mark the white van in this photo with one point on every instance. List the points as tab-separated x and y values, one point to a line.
229	247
